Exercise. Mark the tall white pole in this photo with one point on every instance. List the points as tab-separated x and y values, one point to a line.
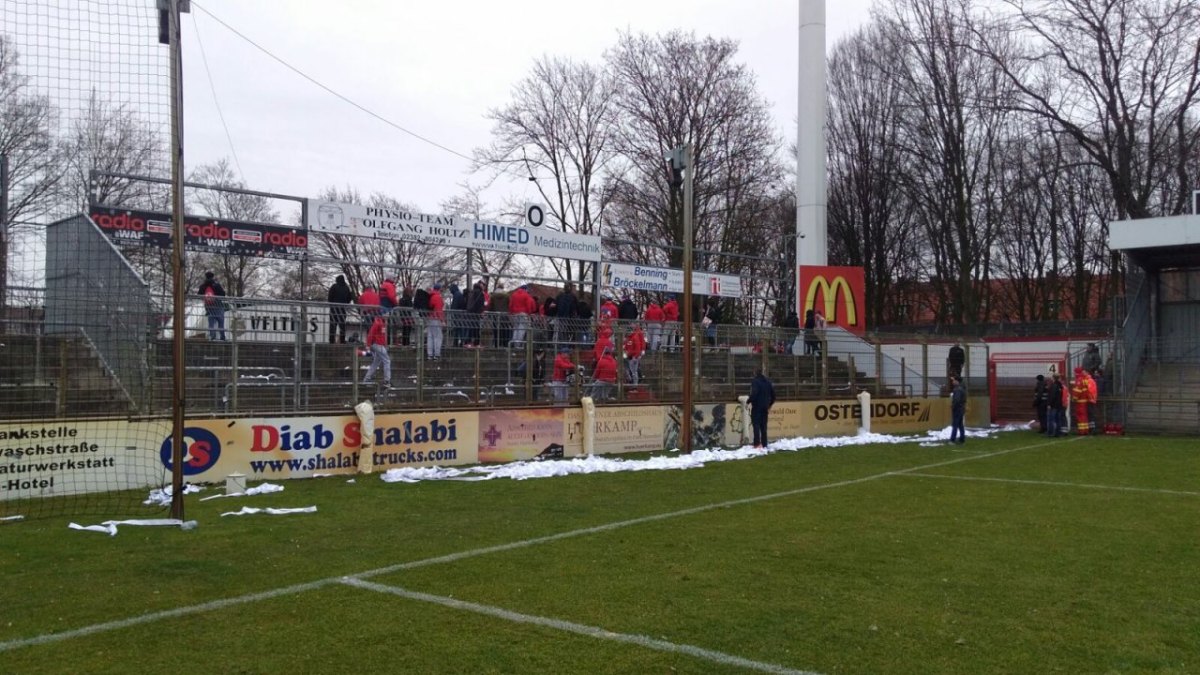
811	232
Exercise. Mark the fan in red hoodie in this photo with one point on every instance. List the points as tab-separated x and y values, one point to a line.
520	305
604	341
563	366
654	318
377	343
605	376
671	315
635	346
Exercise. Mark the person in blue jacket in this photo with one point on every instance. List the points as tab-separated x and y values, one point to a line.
762	397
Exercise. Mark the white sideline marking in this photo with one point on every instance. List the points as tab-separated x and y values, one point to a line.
164	614
1055	483
300	588
579	629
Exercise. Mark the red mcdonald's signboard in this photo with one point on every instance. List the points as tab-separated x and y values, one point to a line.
838	293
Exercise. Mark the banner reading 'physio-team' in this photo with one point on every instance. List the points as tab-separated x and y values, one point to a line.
385	223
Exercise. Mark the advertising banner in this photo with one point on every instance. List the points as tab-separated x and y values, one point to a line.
714	425
384	223
838	293
206	235
511	435
668	280
888	416
303	447
66	458
618	430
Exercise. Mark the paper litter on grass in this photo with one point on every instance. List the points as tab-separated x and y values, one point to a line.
527	469
6	518
162	496
109	527
265	488
250	510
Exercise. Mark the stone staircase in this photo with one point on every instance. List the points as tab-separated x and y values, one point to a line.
1167	400
45	377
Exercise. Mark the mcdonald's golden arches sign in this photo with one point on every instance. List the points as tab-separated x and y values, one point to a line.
838	293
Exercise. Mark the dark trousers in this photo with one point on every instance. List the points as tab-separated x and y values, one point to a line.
958	429
337	326
758	421
1042	421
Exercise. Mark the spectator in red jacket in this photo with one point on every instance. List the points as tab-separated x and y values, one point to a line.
603	341
635	346
563	368
520	305
671	327
437	319
377	343
605	376
654	325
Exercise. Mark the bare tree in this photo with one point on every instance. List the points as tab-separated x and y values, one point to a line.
107	143
870	222
1121	78
34	166
955	125
557	132
242	275
677	89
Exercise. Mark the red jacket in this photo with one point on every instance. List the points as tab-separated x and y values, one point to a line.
671	310
562	366
602	343
378	333
369	298
635	344
654	312
606	369
521	302
437	306
388	292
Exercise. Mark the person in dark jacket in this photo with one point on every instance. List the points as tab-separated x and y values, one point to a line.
214	306
958	411
627	311
1056	413
339	294
712	317
1041	401
762	397
458	309
956	360
406	314
476	304
812	344
565	312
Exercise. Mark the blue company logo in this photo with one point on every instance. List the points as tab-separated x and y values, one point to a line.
201	451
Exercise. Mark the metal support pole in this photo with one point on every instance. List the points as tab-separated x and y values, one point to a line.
3	237
178	401
685	423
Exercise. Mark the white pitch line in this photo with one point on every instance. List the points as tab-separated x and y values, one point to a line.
580	629
462	555
164	614
1092	486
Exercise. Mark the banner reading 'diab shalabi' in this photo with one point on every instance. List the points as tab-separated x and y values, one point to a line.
401	225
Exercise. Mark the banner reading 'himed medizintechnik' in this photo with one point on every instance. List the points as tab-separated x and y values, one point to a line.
401	225
669	280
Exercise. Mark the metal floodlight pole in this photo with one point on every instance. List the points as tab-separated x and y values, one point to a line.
685	422
172	9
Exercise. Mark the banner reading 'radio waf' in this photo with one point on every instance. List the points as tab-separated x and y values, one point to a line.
838	293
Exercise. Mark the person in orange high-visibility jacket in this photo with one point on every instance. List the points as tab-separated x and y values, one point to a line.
1079	393
1091	401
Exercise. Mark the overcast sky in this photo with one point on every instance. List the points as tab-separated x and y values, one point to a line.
434	68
